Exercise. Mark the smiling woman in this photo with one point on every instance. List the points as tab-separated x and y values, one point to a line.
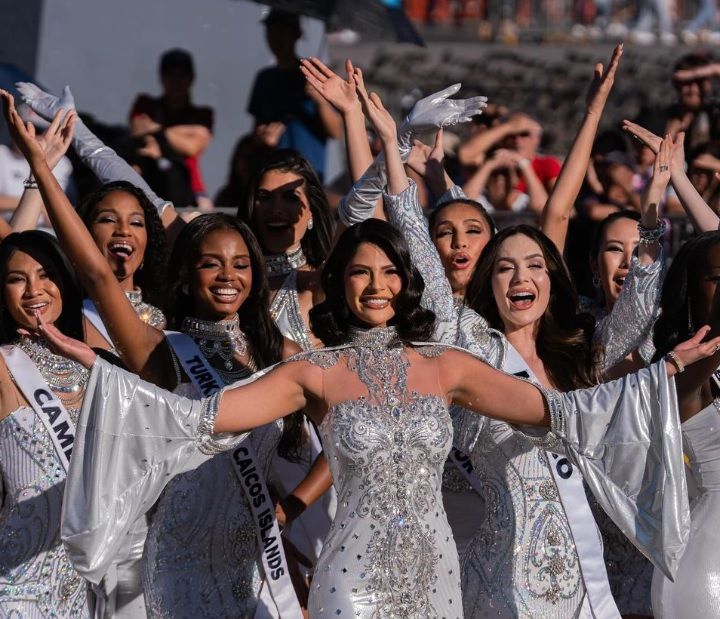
36	577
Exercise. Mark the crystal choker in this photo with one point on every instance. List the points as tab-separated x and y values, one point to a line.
62	375
282	264
378	337
222	338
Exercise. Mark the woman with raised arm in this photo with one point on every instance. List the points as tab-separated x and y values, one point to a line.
690	298
521	573
40	398
220	297
381	403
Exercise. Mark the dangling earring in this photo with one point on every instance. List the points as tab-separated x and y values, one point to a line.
596	281
311	223
185	289
691	327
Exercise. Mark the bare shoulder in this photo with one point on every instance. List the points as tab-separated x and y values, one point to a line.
290	348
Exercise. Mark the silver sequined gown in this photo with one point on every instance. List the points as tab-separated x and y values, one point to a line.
390	551
695	594
201	556
37	580
519	560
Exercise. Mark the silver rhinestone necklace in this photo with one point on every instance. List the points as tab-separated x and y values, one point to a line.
62	375
282	264
222	338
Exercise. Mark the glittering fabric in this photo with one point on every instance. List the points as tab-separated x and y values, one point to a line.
36	578
695	594
629	325
520	559
201	555
390	551
285	311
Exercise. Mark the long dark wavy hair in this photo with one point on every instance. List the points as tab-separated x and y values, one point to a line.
331	320
266	341
46	250
317	242
151	276
487	218
565	337
675	324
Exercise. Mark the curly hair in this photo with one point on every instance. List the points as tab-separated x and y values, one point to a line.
565	337
46	250
331	320
151	276
487	218
316	242
676	303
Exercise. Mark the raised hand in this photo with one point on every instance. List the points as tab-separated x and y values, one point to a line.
34	148
423	156
437	110
58	136
694	349
648	138
339	92
661	166
43	103
375	111
602	83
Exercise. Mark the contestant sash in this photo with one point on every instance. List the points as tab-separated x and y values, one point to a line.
277	591
90	312
586	535
43	401
462	463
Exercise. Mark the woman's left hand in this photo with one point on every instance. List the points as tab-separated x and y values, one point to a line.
374	109
694	349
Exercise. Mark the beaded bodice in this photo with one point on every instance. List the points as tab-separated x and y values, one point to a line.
36	577
285	311
201	555
389	552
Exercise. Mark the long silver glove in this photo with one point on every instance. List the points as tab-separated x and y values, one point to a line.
432	112
105	163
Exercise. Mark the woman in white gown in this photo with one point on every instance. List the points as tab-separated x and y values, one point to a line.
219	294
382	403
37	433
690	298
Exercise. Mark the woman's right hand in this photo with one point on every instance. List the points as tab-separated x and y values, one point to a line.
648	138
602	83
62	344
340	93
36	149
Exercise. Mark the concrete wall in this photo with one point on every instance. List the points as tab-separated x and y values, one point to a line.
108	52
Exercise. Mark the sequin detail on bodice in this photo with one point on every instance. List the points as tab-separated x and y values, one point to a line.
36	577
285	312
201	555
390	551
522	561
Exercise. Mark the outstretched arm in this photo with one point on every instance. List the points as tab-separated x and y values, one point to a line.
135	340
556	214
702	216
286	388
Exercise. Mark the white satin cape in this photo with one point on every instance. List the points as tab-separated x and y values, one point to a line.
133	437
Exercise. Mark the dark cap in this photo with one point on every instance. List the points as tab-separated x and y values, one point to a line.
279	17
177	60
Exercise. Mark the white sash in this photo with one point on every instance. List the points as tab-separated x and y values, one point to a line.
44	402
569	482
279	595
90	312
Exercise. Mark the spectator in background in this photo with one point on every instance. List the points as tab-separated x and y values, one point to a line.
705	19
246	161
519	133
611	180
695	112
174	132
281	95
